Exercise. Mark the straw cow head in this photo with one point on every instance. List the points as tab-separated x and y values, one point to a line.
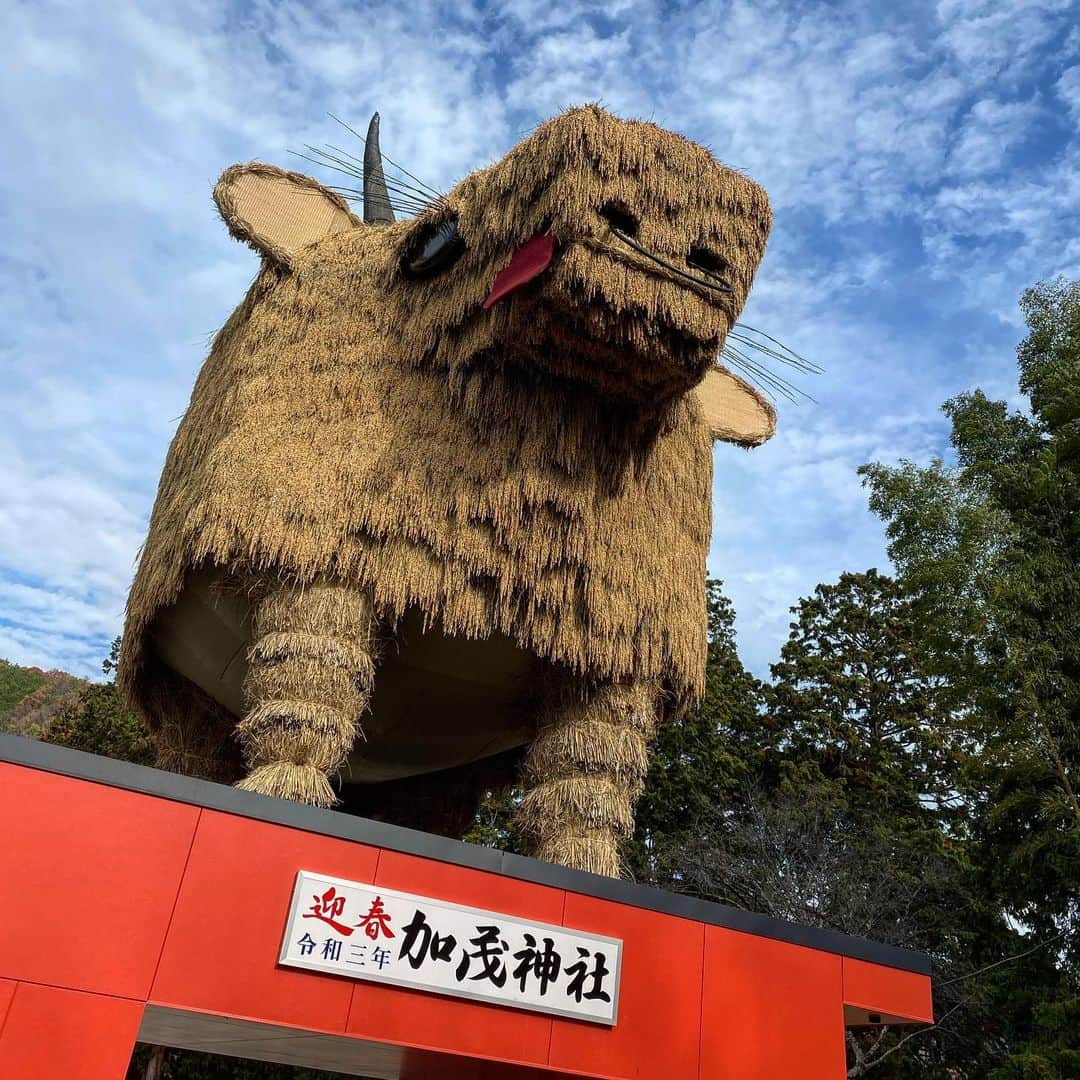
608	252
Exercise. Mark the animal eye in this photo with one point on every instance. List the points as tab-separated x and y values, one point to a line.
435	249
700	258
618	217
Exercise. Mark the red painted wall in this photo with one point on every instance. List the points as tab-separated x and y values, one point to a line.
111	899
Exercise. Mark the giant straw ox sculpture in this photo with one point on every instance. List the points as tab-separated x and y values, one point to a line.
443	488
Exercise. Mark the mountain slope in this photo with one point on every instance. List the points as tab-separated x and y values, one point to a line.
31	698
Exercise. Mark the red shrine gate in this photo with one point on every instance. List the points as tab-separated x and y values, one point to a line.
138	905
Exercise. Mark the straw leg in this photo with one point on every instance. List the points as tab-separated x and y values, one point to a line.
584	772
194	735
310	678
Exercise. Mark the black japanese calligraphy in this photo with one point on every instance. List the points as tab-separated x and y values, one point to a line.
579	972
489	952
543	964
420	942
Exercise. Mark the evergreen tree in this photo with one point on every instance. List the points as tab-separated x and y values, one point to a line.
98	722
998	592
989	550
853	705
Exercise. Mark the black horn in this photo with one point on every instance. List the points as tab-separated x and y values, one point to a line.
377	209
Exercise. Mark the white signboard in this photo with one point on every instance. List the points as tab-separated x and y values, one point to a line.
367	932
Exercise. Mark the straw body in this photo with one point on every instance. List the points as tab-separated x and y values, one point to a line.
359	447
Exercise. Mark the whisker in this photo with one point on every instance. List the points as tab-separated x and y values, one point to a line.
434	191
416	204
750	364
392	181
789	390
757	371
758	379
759	374
346	166
354	194
324	165
406	191
719	286
784	353
771	354
357	196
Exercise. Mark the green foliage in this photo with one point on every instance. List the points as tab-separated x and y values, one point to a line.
988	550
33	697
98	722
998	594
15	683
854	706
1052	1050
496	824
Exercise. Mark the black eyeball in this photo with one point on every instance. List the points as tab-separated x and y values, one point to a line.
435	249
701	258
618	216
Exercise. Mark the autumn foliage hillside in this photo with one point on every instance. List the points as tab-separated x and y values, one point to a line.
30	699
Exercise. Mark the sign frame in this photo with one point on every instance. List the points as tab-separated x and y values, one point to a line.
303	881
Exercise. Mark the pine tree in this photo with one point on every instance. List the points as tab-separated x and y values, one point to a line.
854	706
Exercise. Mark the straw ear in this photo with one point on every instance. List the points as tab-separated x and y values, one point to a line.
733	410
278	213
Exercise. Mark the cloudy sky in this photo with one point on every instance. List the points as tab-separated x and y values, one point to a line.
923	162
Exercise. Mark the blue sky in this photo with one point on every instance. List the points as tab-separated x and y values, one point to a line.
923	162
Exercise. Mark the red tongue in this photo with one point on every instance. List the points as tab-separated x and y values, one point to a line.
530	259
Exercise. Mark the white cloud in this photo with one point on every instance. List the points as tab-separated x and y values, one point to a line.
1068	89
989	134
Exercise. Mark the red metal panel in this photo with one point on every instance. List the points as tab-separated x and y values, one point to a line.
7	992
770	1010
660	1000
111	867
53	1034
450	1024
221	952
88	876
887	990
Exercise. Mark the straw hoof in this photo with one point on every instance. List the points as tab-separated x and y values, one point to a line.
584	771
303	783
596	854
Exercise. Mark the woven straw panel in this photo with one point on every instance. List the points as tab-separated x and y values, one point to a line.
734	411
288	216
